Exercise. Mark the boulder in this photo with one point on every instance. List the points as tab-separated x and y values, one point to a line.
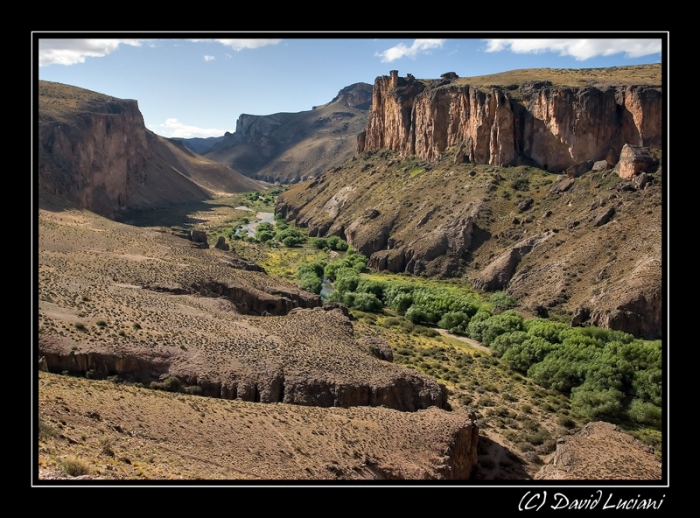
642	180
604	217
525	204
635	160
378	347
562	184
579	169
199	236
600	165
221	244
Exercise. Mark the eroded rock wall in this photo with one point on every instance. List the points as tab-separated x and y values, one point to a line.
97	158
556	127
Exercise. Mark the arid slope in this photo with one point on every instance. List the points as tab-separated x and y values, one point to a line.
456	183
96	153
289	147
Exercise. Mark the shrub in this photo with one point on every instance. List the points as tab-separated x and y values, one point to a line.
594	403
45	429
520	184
496	325
531	351
374	287
501	300
316	268
426	331
507	340
644	412
346	279
455	322
367	302
566	421
74	467
194	390
311	282
106	446
477	324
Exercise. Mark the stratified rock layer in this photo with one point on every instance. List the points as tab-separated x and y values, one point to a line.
96	153
145	305
555	127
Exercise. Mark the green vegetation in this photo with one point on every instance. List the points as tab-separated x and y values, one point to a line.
605	373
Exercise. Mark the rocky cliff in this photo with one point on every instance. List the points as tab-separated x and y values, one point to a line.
92	148
96	153
431	193
535	122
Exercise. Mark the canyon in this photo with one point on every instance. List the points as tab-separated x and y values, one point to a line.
550	190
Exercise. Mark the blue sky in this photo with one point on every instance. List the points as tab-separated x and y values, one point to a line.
196	86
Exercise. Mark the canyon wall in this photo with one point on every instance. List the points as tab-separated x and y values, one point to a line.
95	153
92	153
536	123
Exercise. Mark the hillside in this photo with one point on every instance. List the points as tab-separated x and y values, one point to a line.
162	356
289	147
96	153
444	201
147	308
200	145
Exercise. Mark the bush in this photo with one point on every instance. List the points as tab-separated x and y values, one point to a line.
346	280
367	302
311	282
455	322
644	412
477	324
496	325
507	340
194	390
45	429
520	184
74	467
596	403
531	351
501	300
316	268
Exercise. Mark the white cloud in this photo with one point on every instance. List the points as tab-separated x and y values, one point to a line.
175	128
70	52
419	47
209	58
579	49
240	44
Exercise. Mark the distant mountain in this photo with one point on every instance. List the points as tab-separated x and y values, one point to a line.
290	147
198	144
95	153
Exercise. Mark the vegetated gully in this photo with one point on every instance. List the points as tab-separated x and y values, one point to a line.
269	217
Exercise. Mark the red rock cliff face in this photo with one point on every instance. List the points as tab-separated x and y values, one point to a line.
555	126
96	156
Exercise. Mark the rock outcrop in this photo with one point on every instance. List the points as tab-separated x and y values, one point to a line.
553	126
166	309
635	160
498	274
95	153
601	451
92	148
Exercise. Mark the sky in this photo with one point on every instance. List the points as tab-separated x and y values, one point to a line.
198	84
